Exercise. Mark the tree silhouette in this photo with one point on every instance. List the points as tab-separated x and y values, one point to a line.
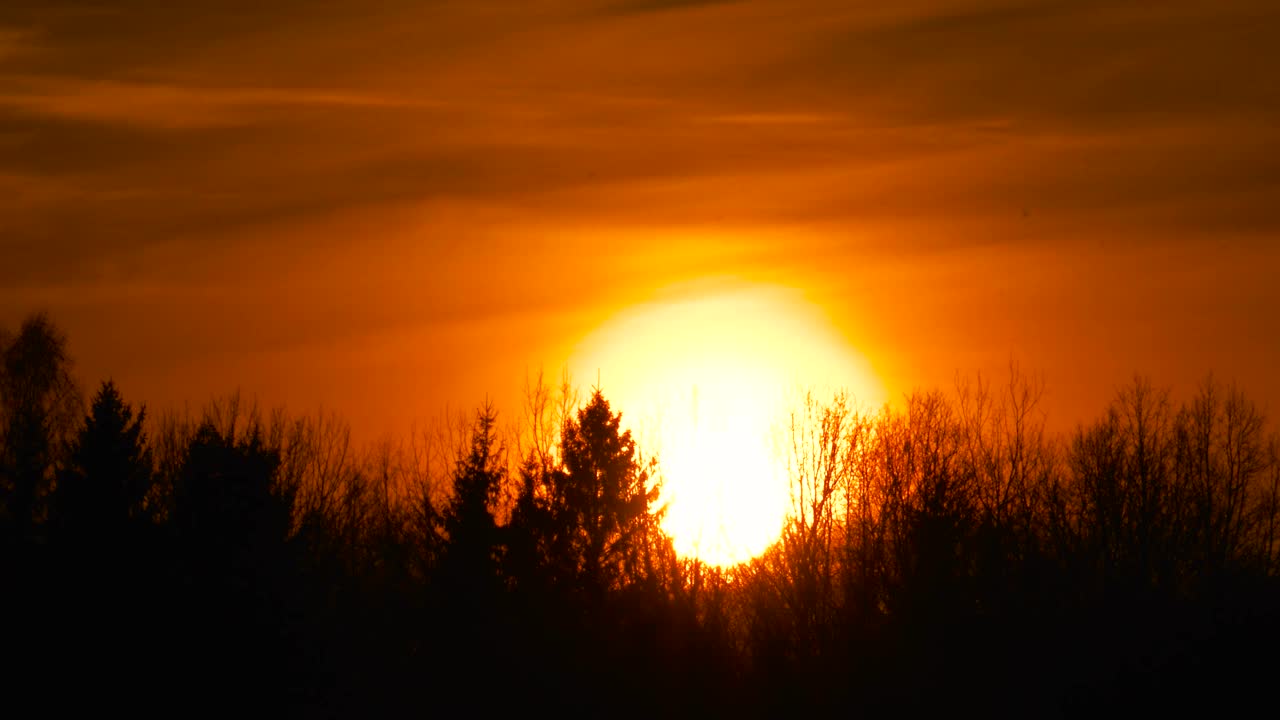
228	506
472	554
948	554
39	407
233	517
109	477
597	501
581	550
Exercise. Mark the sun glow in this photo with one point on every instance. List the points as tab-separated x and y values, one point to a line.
704	375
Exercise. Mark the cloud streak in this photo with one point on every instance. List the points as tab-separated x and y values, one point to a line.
166	107
409	145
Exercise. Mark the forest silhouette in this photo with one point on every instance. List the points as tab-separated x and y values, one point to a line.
950	555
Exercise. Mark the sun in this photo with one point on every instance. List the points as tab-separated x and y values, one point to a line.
704	375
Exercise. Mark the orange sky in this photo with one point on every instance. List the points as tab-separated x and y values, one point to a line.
386	207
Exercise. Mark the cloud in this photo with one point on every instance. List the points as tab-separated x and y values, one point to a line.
175	107
628	7
446	159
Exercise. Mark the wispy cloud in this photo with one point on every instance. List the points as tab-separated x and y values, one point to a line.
399	150
627	7
166	106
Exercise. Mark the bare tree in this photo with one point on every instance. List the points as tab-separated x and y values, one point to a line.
40	409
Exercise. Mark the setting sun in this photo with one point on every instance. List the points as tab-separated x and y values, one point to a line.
706	373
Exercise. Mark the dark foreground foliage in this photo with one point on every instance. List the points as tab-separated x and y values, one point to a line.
946	557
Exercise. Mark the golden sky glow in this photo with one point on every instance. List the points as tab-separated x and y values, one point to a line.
388	207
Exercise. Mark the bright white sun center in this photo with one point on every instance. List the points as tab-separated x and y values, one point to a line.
704	377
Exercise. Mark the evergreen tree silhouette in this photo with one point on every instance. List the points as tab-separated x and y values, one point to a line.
580	533
233	519
226	500
478	477
592	510
110	584
470	566
606	488
104	489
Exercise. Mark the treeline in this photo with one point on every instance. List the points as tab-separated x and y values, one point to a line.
950	555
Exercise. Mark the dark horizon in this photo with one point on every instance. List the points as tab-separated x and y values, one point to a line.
951	554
